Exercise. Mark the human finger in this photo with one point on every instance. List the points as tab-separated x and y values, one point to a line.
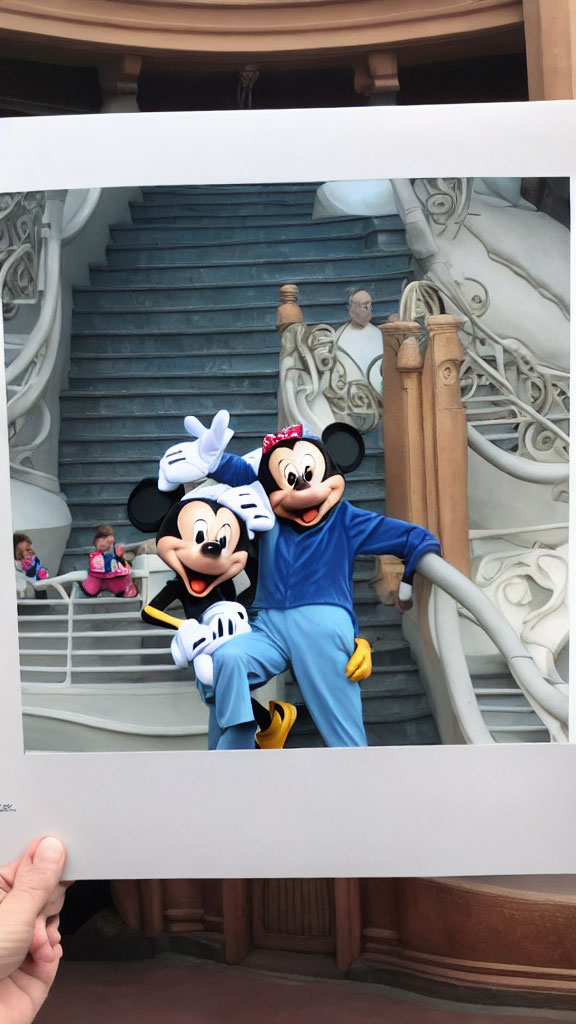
35	892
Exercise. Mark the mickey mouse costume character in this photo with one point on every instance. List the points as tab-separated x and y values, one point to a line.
204	538
304	606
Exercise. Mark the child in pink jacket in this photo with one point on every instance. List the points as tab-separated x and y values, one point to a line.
107	568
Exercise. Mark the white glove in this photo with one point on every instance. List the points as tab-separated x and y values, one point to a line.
193	460
251	504
196	641
226	619
191	639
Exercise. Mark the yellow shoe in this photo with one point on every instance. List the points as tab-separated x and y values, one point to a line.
283	717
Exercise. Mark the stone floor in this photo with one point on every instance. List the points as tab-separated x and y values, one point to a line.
172	989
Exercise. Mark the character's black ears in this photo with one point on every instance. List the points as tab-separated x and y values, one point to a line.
147	506
345	446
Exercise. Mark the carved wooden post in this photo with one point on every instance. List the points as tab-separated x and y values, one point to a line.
403	440
445	439
424	426
289	312
402	422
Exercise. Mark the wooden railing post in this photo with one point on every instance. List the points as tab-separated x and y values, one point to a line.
402	422
289	311
424	425
446	443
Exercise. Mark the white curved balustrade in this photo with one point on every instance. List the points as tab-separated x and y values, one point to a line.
545	697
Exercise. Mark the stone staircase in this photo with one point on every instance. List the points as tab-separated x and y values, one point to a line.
505	709
182	319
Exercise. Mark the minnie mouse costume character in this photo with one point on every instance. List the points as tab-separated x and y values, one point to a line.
303	600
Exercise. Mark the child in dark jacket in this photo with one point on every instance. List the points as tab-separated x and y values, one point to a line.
26	561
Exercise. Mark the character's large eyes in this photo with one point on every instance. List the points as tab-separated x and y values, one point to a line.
224	536
200	531
290	474
308	465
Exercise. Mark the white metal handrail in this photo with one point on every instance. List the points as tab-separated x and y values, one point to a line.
515	465
546	699
28	374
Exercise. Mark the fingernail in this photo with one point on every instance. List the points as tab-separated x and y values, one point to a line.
49	852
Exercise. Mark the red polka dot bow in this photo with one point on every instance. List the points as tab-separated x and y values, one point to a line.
286	434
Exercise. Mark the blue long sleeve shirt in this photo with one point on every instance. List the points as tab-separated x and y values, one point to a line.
315	566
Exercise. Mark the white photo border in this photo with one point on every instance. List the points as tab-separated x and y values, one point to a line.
382	811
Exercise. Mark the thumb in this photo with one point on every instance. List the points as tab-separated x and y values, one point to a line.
33	891
193	425
37	875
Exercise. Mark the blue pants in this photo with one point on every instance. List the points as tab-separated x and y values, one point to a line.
317	640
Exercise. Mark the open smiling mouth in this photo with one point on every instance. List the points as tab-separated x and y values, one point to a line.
309	515
199	581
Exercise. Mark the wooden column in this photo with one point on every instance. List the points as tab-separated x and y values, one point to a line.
550	31
445	440
348	921
236	919
424	424
119	81
402	423
376	76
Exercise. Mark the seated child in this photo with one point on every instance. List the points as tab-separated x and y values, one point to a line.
26	562
107	568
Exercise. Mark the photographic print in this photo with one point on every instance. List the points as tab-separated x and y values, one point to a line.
267	301
288	452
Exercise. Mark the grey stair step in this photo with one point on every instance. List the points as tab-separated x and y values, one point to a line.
261	382
298	225
521	735
363	590
489	683
193	363
104	487
294	270
92	465
245	439
153	403
79	427
185	318
192	215
243	205
171	344
400	732
174	193
228	293
80	455
396	683
218	252
381	711
511	717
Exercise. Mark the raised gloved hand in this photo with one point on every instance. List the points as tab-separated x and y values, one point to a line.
193	460
359	665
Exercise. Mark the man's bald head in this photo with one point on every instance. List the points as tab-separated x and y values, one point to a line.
360	307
